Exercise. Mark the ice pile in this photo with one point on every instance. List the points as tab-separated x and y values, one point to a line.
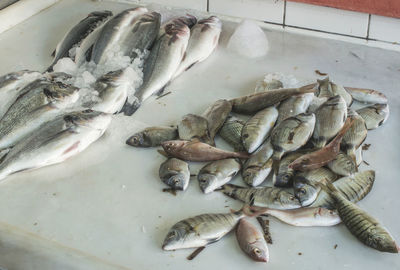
249	40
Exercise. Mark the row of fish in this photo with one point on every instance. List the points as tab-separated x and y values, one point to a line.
305	138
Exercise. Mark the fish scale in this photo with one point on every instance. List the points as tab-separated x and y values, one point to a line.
231	132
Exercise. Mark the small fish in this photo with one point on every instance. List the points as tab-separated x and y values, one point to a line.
324	155
367	95
306	217
257	128
330	118
194	127
152	136
217	173
231	132
270	197
343	165
258	166
258	101
354	188
203	40
330	89
294	105
374	115
216	115
75	36
285	174
356	134
175	173
252	241
362	225
55	141
305	184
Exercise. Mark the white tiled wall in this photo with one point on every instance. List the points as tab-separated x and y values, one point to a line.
384	28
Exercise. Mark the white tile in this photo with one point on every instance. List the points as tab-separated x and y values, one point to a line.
327	19
191	4
384	28
263	10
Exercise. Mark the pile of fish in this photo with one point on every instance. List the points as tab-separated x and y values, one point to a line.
306	139
46	118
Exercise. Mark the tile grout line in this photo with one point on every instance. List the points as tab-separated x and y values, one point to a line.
284	14
208	5
368	26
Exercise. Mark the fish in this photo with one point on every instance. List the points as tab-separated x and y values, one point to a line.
361	224
374	115
203	40
330	118
132	29
198	151
294	105
354	188
201	230
285	174
162	62
270	197
324	155
175	173
187	19
231	132
367	95
252	241
152	136
257	128
315	103
217	173
14	84
194	127
216	115
343	165
291	134
75	36
55	141
305	184
38	105
330	89
355	136
257	168
255	102
112	89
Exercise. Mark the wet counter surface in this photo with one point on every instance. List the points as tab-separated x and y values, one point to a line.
107	202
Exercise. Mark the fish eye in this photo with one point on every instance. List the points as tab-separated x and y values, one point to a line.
245	136
176	181
291	198
203	180
172	234
302	191
257	251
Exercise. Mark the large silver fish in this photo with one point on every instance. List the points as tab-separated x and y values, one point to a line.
14	84
203	40
367	95
231	132
129	30
175	173
217	173
257	128
78	33
374	115
252	241
258	166
35	107
216	115
55	141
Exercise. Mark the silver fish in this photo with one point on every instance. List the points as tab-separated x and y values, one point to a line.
152	136
217	173
175	173
216	115
315	103
343	165
200	230
374	115
294	106
356	134
285	174
367	95
35	107
231	132
270	197
252	241
194	127
257	128
55	141
330	89
78	33
187	19
14	84
258	166
305	184
330	118
203	40
129	30
354	188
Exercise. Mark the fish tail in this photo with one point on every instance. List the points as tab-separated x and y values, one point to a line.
310	88
275	169
252	211
130	108
229	190
244	155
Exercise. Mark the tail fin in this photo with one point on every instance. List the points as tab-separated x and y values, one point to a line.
229	190
130	108
310	88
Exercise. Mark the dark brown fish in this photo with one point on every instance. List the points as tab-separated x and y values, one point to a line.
323	156
198	151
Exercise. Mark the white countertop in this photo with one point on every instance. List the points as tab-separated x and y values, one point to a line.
107	201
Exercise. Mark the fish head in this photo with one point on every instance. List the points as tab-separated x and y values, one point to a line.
151	17
257	252
213	21
283	179
175	237
289	200
101	14
253	176
89	118
304	191
177	31
60	94
188	20
172	147
207	182
321	213
136	140
176	181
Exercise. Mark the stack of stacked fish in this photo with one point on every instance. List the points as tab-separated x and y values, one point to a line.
44	119
307	138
